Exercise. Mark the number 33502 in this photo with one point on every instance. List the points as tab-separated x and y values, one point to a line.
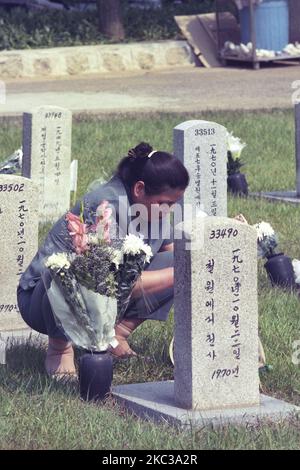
11	187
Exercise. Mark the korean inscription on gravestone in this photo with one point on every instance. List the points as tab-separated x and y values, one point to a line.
47	157
19	242
202	147
216	316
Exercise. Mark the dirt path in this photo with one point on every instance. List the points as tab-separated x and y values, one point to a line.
184	89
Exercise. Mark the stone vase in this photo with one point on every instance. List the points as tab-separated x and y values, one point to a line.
280	270
95	375
237	184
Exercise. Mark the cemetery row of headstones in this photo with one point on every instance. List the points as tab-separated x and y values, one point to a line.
42	193
216	317
216	376
46	161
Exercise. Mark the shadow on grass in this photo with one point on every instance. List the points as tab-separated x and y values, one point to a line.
24	371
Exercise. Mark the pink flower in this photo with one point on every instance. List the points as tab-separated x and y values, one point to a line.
78	232
103	221
104	212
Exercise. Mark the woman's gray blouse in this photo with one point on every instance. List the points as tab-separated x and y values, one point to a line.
59	240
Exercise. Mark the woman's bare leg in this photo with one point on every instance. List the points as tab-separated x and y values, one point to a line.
60	358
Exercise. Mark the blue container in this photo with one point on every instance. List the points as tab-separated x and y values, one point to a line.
271	24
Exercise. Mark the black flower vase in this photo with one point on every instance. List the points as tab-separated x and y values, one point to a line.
280	270
95	375
237	184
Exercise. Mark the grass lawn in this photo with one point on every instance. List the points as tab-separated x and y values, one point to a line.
37	414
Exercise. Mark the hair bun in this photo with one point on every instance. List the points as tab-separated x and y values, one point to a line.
140	151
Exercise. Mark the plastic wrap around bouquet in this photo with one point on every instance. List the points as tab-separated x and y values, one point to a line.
87	317
86	287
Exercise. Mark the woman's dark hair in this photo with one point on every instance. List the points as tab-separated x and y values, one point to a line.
159	172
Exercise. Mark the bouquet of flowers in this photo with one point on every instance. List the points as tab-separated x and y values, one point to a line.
234	150
87	285
267	239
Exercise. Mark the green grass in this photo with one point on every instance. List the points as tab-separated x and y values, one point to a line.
37	414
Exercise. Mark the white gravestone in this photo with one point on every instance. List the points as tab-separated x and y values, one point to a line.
202	148
47	158
216	316
18	241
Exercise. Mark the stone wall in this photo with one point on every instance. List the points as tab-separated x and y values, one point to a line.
68	61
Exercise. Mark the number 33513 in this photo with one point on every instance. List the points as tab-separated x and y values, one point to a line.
205	132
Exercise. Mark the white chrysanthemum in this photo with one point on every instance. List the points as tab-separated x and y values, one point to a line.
93	239
58	261
264	229
234	145
296	266
19	153
134	245
117	258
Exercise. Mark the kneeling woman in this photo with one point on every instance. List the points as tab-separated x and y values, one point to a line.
144	177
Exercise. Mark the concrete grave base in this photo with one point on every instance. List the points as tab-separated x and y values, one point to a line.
155	401
284	196
9	337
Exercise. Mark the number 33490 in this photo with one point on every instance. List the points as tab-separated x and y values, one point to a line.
223	233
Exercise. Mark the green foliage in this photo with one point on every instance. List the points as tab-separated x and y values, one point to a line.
28	30
21	29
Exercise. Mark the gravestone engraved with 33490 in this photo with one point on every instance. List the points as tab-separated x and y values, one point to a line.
216	379
216	315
